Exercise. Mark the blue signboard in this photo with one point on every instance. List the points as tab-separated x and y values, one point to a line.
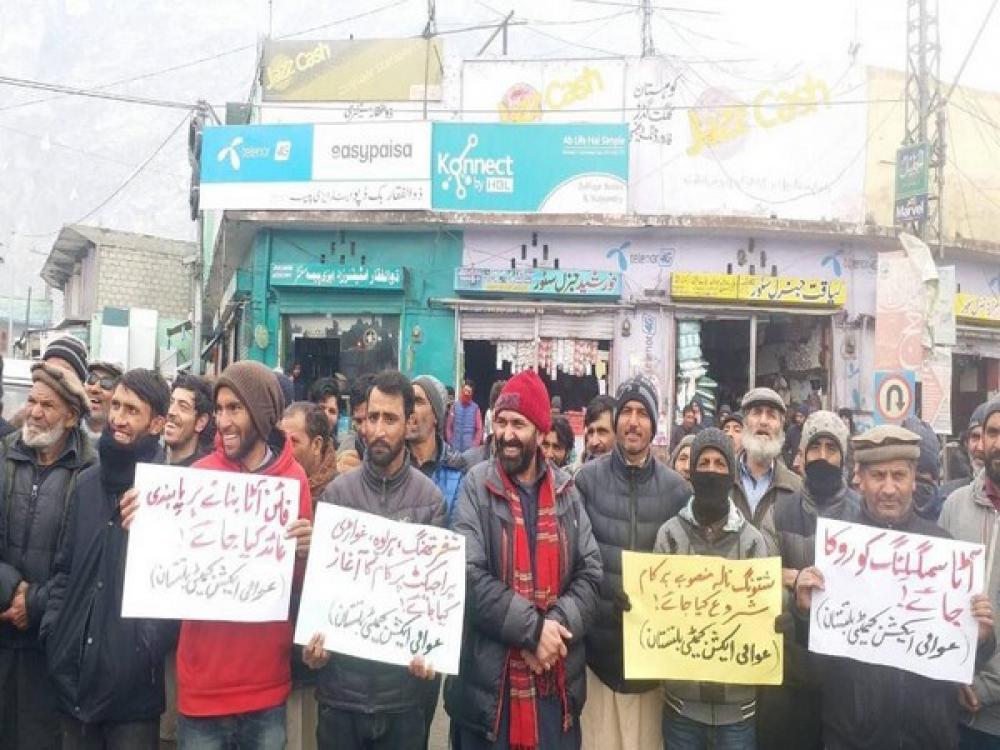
895	395
539	282
257	153
530	168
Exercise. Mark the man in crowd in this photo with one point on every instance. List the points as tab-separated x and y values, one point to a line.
189	420
102	377
298	382
793	435
40	465
598	428
762	477
428	450
107	669
306	427
368	705
793	718
870	705
970	514
532	574
69	353
688	425
972	446
557	445
464	428
351	450
233	678
628	496
732	425
927	496
325	393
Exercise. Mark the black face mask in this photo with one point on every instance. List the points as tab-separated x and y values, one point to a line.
823	480
711	496
925	495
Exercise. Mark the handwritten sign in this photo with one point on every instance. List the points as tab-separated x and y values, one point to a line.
702	618
898	599
210	545
384	590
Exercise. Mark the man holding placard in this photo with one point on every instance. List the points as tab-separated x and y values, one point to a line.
921	619
365	704
533	569
107	669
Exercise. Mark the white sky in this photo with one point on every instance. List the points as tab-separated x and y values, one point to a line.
61	158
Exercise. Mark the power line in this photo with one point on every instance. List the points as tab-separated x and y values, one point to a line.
968	54
668	8
92	93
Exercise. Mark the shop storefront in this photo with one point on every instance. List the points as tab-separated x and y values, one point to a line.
976	358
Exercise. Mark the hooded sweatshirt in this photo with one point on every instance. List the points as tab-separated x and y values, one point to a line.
228	668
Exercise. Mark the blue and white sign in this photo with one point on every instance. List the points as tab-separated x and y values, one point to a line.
531	168
375	166
895	395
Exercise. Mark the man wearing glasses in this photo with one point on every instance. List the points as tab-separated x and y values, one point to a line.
102	377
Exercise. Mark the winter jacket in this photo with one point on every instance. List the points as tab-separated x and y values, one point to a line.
873	707
969	515
34	508
228	668
464	426
446	471
627	505
784	483
497	619
710	703
479	454
105	667
352	684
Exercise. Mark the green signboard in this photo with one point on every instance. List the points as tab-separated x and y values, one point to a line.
539	282
320	276
912	182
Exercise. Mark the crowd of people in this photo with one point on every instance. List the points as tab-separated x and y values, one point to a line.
542	661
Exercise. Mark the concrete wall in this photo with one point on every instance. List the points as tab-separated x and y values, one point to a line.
138	278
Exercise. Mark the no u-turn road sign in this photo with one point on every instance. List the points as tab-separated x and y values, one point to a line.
895	395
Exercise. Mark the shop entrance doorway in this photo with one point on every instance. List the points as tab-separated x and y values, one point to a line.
320	358
713	363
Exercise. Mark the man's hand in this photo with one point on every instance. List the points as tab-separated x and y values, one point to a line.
552	644
314	655
533	664
807	580
128	506
301	531
421	670
982	610
17	613
788	576
622	602
784	624
967	699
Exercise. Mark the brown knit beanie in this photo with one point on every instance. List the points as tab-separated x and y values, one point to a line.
257	387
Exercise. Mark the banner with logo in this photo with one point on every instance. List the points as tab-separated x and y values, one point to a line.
363	70
537	168
376	166
543	91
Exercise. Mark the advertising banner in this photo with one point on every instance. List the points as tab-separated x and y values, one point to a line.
772	290
381	70
542	282
543	91
535	168
375	166
321	276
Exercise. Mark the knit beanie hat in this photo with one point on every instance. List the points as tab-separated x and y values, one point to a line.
71	349
68	388
733	416
930	448
989	409
437	395
258	389
641	389
824	424
713	437
978	416
526	394
684	441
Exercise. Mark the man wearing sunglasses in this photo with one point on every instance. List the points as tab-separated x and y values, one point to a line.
102	377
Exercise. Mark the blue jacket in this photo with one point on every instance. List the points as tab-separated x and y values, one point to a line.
446	471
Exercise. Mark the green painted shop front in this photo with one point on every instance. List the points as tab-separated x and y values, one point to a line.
353	301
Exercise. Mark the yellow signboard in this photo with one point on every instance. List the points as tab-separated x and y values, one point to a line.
702	618
769	290
975	308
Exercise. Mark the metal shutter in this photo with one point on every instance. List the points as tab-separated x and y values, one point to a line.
594	326
514	326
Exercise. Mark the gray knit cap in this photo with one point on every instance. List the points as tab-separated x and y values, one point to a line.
641	389
437	394
71	350
713	437
824	424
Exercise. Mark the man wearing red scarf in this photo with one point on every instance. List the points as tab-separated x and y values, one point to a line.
532	568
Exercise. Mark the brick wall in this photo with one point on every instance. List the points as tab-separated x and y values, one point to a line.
139	278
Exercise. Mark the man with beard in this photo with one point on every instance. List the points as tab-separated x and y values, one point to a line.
557	445
790	716
369	705
189	420
870	705
351	450
325	392
306	427
696	714
532	574
972	443
598	428
40	465
762	478
628	496
107	669
428	450
102	377
972	514
233	677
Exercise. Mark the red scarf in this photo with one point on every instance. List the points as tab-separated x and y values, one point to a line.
523	684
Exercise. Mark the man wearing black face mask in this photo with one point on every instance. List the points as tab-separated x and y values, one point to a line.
710	525
927	498
793	716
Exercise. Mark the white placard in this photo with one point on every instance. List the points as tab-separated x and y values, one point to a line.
210	545
384	590
897	599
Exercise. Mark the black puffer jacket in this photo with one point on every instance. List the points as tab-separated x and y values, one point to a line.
33	512
627	506
496	619
352	684
105	667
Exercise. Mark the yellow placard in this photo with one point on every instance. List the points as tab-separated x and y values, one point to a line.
791	290
976	308
710	286
702	618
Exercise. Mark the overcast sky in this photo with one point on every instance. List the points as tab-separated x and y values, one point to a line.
62	158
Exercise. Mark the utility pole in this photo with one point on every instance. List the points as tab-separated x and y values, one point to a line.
430	31
648	50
